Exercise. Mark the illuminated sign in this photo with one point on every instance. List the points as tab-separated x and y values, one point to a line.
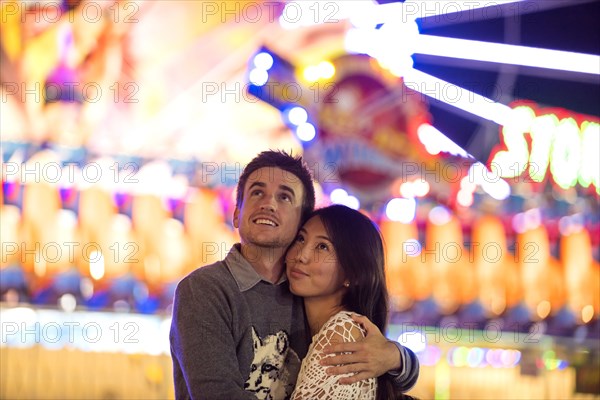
555	143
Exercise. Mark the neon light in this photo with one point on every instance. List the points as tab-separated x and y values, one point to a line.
508	54
590	162
456	96
364	13
570	152
566	153
512	162
436	142
542	132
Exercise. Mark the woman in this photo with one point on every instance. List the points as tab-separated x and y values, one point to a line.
337	264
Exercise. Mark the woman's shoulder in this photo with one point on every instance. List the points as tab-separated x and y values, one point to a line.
342	326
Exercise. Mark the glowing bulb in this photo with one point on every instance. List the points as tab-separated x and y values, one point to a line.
420	187
258	77
337	196
352	202
263	61
543	309
415	341
306	132
67	302
326	70
311	73
401	210
96	265
464	198
407	190
298	115
587	313
439	215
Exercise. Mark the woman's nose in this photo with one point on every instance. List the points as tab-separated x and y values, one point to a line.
301	254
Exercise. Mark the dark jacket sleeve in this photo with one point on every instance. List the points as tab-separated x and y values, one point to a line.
406	376
205	364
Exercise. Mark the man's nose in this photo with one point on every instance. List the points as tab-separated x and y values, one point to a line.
269	204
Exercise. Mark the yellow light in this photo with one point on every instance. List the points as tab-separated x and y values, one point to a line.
39	265
311	73
587	313
96	265
566	154
542	134
512	162
590	162
326	70
543	309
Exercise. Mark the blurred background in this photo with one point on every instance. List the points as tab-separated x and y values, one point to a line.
469	131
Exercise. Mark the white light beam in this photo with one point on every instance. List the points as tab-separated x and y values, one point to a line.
508	54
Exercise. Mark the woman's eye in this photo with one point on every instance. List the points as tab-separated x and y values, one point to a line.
300	239
322	246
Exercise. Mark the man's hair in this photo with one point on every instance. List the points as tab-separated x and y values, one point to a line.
287	162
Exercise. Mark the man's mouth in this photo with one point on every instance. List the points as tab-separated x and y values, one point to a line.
265	221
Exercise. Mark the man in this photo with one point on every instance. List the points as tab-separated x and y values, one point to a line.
237	331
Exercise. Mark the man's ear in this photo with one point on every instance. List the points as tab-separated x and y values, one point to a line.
236	214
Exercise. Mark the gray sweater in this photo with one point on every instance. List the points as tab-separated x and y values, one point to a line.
235	335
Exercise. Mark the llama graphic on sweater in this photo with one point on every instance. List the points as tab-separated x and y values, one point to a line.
274	368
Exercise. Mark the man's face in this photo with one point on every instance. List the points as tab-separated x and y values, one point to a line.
271	208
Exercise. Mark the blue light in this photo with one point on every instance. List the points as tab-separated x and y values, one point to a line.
263	61
297	116
258	77
306	132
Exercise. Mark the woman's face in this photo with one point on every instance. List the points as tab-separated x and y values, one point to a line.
312	265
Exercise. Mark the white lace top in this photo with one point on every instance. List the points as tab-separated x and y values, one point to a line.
313	382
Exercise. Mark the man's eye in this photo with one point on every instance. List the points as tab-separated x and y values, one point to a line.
285	197
255	192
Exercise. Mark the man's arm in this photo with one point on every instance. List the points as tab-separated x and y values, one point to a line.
205	364
372	357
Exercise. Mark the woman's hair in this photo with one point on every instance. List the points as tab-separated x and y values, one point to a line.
359	249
